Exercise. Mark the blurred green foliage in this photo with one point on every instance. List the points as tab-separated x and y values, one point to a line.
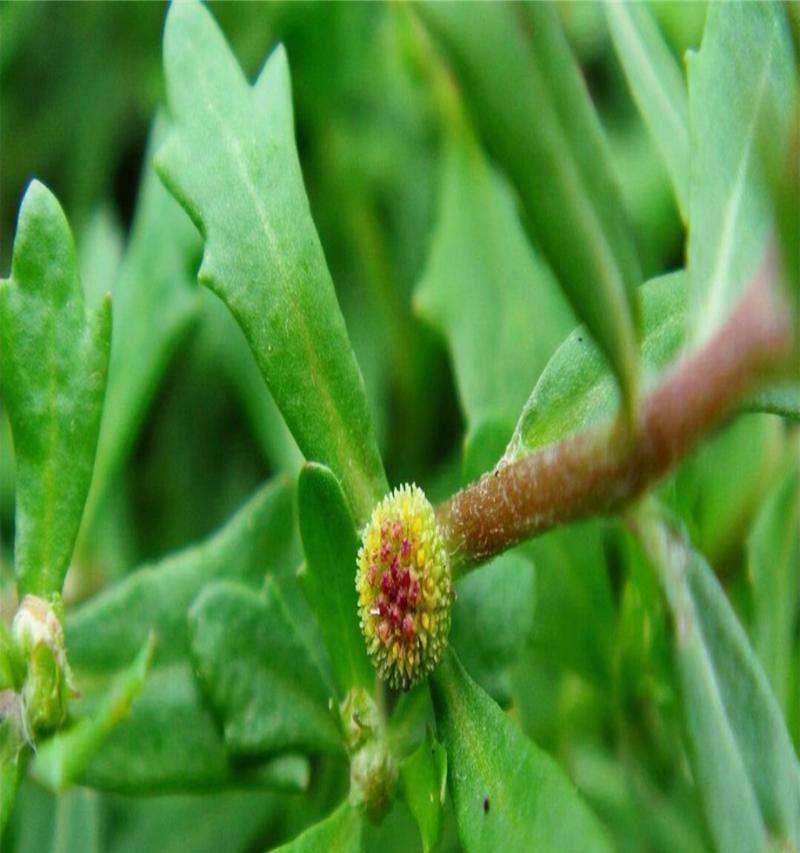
569	633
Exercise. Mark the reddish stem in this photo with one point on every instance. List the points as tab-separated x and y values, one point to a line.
602	469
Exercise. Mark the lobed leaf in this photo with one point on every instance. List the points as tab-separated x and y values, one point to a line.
507	793
548	140
106	632
741	81
484	288
261	678
53	365
658	88
331	545
231	161
171	743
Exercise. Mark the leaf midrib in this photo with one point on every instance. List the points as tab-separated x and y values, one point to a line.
345	449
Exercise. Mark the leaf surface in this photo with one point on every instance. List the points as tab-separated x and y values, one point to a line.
658	88
340	831
171	743
741	753
496	302
576	390
508	794
741	81
106	632
331	546
548	140
774	566
263	681
231	161
53	365
424	779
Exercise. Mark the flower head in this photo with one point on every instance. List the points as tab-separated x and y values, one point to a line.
404	587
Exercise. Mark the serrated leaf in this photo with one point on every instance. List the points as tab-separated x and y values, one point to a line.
340	831
507	793
62	759
493	616
424	779
231	161
576	390
658	88
774	568
331	546
484	288
53	366
742	77
741	753
548	131
155	299
261	678
172	743
104	634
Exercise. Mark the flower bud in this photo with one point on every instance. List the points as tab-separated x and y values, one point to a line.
40	638
404	588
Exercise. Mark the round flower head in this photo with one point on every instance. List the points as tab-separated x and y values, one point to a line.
404	588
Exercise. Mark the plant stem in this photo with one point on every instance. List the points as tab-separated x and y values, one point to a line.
600	470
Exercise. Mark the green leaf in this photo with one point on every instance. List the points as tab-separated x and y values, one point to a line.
106	632
261	678
548	140
719	489
231	161
741	753
62	759
70	823
576	390
774	567
575	617
658	88
233	821
155	299
13	759
508	794
331	546
483	446
494	300
742	77
53	366
171	742
493	616
781	398
424	779
340	831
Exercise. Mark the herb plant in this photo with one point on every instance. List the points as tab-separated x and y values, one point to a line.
492	545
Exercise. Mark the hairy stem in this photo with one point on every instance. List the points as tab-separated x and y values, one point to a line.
602	469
